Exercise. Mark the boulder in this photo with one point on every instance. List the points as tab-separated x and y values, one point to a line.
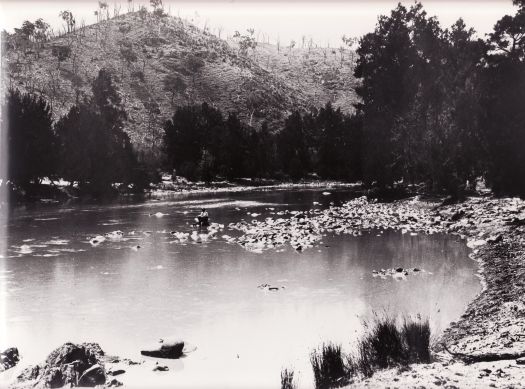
114	383
166	348
115	372
9	358
93	376
69	365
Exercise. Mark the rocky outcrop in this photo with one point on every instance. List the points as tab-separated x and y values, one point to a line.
69	365
8	358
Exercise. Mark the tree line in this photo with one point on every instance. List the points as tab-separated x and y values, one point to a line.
443	107
201	143
87	146
437	106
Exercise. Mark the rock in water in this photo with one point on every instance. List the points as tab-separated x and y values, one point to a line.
166	348
160	368
69	365
8	358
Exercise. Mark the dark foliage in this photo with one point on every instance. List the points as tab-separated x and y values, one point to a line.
287	379
95	151
416	335
329	366
385	345
382	347
31	142
440	106
201	144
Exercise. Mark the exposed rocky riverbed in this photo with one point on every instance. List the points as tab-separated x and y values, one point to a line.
492	327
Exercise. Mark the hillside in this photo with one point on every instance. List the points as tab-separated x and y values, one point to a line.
143	51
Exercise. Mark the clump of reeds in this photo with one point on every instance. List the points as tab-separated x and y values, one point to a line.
387	345
287	381
329	366
416	335
384	345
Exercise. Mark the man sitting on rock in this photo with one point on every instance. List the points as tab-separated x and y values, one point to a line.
203	218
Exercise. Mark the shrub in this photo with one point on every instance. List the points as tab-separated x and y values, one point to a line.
330	370
386	345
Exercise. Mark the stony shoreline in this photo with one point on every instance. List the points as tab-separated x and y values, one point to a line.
492	323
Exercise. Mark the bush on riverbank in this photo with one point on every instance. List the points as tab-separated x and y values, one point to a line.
385	345
329	366
382	347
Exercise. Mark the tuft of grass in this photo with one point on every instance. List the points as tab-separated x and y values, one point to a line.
386	345
287	379
416	335
382	347
328	364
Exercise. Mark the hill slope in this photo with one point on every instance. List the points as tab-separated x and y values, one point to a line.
142	51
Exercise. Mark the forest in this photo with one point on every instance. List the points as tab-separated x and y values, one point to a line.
438	107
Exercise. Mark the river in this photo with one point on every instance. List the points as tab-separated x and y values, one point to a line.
59	287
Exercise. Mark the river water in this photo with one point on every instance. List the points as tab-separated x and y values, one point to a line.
58	287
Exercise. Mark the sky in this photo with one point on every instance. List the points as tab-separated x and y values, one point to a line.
324	21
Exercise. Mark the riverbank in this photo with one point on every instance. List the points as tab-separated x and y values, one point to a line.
54	192
489	338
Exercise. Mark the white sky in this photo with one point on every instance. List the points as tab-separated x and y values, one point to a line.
324	21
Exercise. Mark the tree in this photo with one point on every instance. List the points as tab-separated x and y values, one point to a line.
194	64
95	150
503	106
103	8
30	139
61	52
28	29
41	32
127	52
68	17
388	87
143	13
509	35
292	146
174	84
254	101
158	9
246	42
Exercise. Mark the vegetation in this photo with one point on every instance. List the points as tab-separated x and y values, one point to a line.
437	106
385	345
31	142
287	381
87	146
328	364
